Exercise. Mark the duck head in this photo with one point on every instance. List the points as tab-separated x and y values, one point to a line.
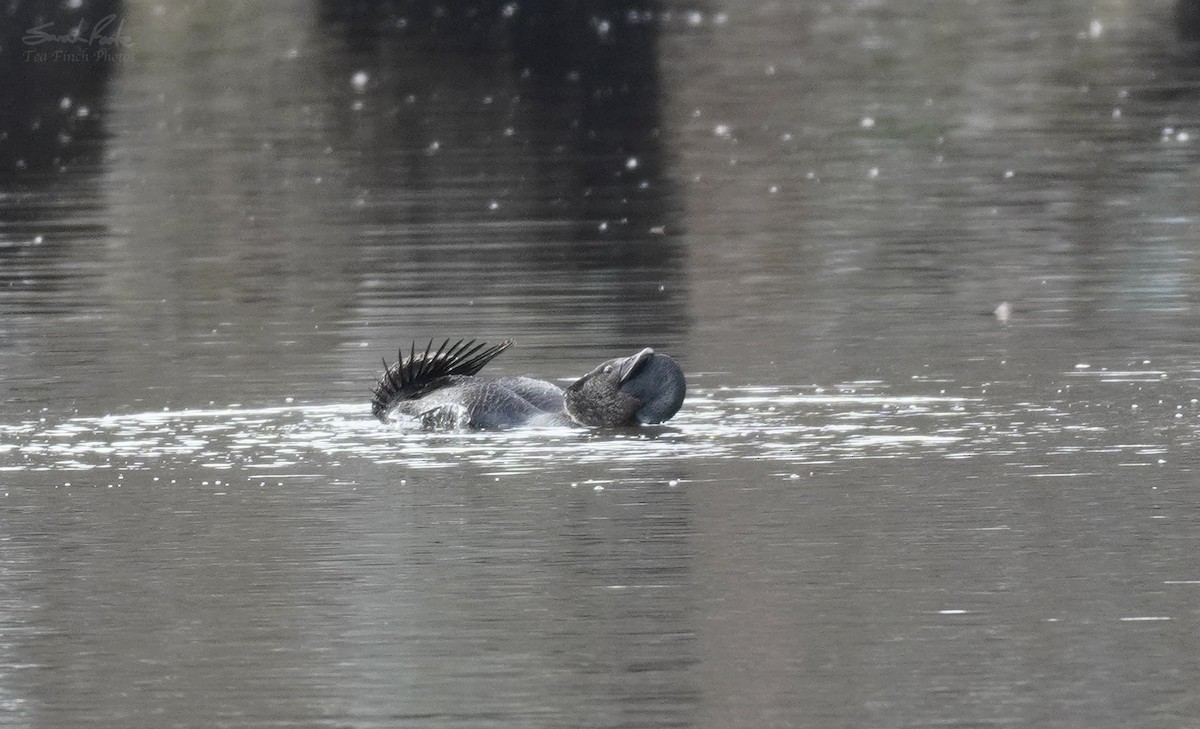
642	388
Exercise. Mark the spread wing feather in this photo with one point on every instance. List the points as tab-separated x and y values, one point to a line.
412	376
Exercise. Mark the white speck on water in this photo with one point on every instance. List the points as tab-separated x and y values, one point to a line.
658	229
1082	366
1116	112
631	163
1095	29
293	53
952	611
770	69
509	10
82	112
673	482
1008	174
493	205
597	487
695	18
603	226
1178	135
786	136
873	172
37	240
722	130
1144	618
1003	312
64	103
359	80
773	189
866	122
357	105
603	27
434	146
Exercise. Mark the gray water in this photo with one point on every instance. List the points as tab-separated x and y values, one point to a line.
888	501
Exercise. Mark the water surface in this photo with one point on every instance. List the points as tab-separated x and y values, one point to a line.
881	505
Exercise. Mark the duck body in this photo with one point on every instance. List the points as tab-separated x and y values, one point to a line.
441	390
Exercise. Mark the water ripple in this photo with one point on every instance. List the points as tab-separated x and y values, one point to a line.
791	426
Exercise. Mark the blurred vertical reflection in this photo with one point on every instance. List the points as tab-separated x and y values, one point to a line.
1187	20
56	61
51	87
522	141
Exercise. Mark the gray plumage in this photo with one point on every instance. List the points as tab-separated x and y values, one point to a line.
440	389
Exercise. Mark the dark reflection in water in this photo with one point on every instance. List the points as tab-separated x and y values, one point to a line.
881	505
1187	20
52	208
51	125
561	162
54	90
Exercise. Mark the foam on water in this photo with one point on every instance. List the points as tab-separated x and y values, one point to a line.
791	425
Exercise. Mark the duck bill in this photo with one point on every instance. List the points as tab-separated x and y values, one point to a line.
630	366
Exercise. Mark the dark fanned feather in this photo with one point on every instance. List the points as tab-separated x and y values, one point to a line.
417	374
